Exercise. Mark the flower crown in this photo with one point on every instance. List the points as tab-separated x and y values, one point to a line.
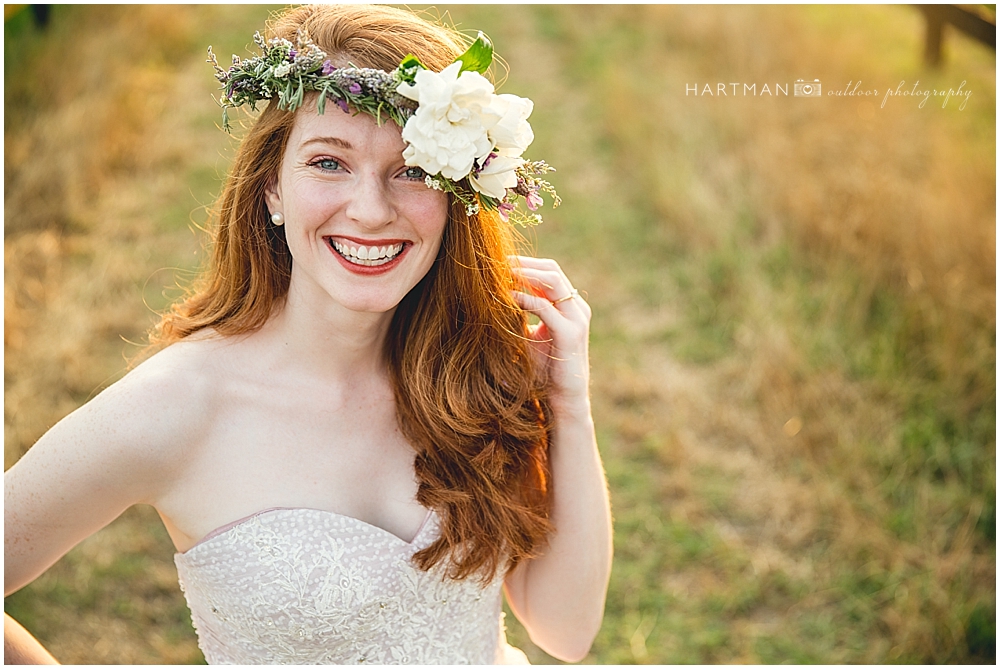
468	139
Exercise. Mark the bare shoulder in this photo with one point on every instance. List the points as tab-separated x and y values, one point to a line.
129	445
146	424
167	399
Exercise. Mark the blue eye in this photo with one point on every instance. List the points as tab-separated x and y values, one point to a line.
328	164
415	173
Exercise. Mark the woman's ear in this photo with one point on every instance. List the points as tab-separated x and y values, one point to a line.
272	194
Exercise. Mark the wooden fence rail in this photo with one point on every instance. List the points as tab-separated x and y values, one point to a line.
974	20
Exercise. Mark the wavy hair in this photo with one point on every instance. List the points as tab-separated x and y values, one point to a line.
468	397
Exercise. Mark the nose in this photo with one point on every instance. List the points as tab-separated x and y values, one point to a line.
370	205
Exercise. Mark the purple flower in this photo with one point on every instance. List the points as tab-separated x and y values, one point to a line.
355	88
504	210
327	67
477	168
292	54
533	200
342	103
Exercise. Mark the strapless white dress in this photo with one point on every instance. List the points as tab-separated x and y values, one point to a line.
303	586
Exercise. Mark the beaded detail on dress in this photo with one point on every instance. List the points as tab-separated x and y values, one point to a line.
304	586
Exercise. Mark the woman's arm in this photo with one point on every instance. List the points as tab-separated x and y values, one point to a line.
104	457
83	473
560	596
19	647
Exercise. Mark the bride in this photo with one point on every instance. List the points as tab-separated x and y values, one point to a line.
352	435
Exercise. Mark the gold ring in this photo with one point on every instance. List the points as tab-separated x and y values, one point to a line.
573	293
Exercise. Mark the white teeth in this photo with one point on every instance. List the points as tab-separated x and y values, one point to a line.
368	255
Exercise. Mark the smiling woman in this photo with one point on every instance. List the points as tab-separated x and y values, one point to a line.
351	433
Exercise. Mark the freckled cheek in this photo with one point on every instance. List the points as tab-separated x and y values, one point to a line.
430	219
312	200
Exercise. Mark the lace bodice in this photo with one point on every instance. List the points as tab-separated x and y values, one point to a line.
303	586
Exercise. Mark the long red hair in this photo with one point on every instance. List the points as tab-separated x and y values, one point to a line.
468	397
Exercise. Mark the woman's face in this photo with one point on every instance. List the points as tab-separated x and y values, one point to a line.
362	227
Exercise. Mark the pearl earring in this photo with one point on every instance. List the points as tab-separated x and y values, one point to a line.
277	218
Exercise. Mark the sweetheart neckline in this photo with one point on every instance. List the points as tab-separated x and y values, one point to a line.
228	527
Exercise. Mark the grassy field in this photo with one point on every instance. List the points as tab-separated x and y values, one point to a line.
793	345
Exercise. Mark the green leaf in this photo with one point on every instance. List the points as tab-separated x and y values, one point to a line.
479	55
321	103
411	61
408	68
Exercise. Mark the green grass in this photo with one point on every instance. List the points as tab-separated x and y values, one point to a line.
793	339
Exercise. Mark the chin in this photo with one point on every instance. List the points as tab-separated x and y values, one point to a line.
371	305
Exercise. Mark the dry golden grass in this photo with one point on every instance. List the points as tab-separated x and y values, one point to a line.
793	346
105	167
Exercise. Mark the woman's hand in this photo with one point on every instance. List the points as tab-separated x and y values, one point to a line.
560	340
559	595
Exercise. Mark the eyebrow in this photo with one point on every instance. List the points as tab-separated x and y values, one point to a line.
336	141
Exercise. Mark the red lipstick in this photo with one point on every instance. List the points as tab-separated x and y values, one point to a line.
368	257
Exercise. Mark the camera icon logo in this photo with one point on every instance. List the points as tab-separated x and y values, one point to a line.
808	90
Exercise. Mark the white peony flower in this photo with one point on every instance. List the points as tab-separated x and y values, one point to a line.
498	175
450	127
512	134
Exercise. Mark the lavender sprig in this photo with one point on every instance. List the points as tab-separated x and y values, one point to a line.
287	71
